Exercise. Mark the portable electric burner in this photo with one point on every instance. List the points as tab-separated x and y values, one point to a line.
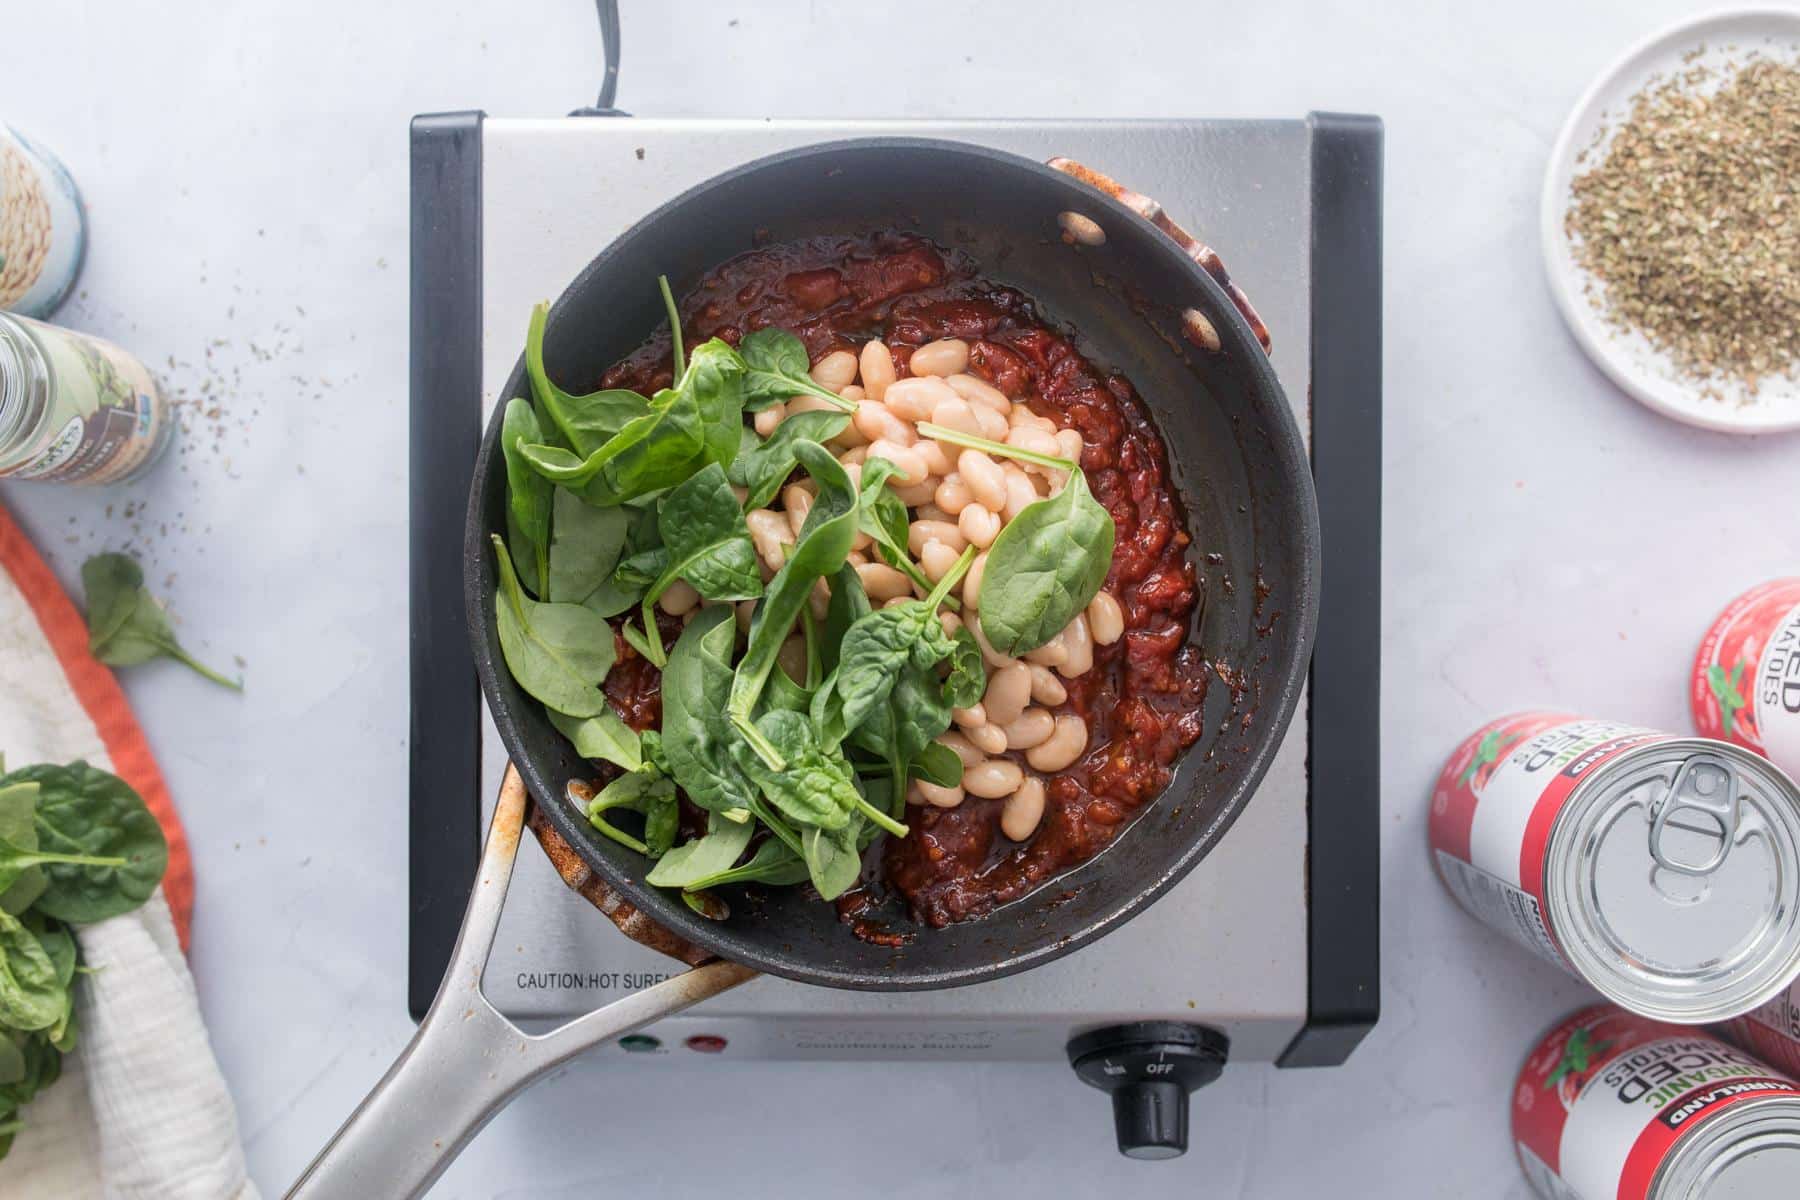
1268	950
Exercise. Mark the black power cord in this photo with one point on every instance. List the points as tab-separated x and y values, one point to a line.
608	11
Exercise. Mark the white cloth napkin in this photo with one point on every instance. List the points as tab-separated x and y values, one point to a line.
141	1111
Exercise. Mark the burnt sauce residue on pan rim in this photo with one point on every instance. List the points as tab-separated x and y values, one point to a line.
1144	698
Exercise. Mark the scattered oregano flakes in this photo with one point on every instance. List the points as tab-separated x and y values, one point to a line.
1690	222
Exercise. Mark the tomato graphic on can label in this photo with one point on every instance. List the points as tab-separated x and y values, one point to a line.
1608	1101
1745	686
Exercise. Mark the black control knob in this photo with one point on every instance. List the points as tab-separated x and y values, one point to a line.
1150	1067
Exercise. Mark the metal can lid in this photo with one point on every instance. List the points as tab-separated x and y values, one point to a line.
1748	1152
1674	880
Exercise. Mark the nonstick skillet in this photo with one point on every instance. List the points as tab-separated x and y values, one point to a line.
1145	299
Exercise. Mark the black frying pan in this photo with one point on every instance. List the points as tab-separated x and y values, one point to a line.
1237	458
1140	302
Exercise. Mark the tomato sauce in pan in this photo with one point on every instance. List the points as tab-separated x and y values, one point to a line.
1142	700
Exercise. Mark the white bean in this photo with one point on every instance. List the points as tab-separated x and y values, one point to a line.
936	559
940	797
796	501
1020	492
1070	444
913	495
989	739
915	399
769	531
873	420
1105	620
1053	653
811	403
906	460
980	392
931	512
897	601
985	477
853	392
678	598
819	599
1064	746
883	582
740	494
854	457
877	369
1046	688
856	558
950	622
936	460
792	658
847	438
964	749
993	779
973	717
1008	691
979	525
993	425
1019	414
836	370
1080	645
956	413
952	495
950	356
1028	437
921	532
766	420
1023	810
746	612
971	588
1032	728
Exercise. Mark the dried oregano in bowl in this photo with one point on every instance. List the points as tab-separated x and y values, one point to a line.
1686	217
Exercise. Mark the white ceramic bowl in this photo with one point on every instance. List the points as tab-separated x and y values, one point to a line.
1628	358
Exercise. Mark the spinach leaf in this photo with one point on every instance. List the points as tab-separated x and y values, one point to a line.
558	653
18	809
884	518
778	368
30	996
703	857
605	737
967	682
833	860
817	787
662	284
684	427
774	863
848	602
939	764
707	543
823	545
766	467
919	713
585	544
1045	566
697	736
585	422
126	626
86	813
648	792
527	494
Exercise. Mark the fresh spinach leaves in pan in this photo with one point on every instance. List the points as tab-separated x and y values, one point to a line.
777	369
528	495
584	422
603	738
1044	568
558	653
706	543
646	791
689	865
697	733
764	467
585	545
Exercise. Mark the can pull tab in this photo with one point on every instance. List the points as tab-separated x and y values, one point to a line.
1704	784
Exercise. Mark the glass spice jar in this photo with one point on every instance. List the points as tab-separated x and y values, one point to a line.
75	408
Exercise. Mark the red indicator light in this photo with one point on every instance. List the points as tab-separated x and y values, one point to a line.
705	1043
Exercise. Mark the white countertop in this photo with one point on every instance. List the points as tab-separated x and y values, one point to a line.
245	166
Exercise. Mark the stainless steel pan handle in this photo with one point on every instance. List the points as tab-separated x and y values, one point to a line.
467	1060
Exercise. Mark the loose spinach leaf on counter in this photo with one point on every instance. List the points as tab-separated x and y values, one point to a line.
558	653
126	626
585	545
778	368
705	542
1044	568
18	810
697	735
527	496
765	467
822	548
585	422
88	813
605	738
687	864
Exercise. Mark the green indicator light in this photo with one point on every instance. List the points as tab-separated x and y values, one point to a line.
638	1042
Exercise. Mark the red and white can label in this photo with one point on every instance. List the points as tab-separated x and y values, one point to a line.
1496	802
1606	1095
1745	686
1772	1031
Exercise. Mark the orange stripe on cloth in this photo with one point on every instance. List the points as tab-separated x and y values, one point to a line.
99	694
